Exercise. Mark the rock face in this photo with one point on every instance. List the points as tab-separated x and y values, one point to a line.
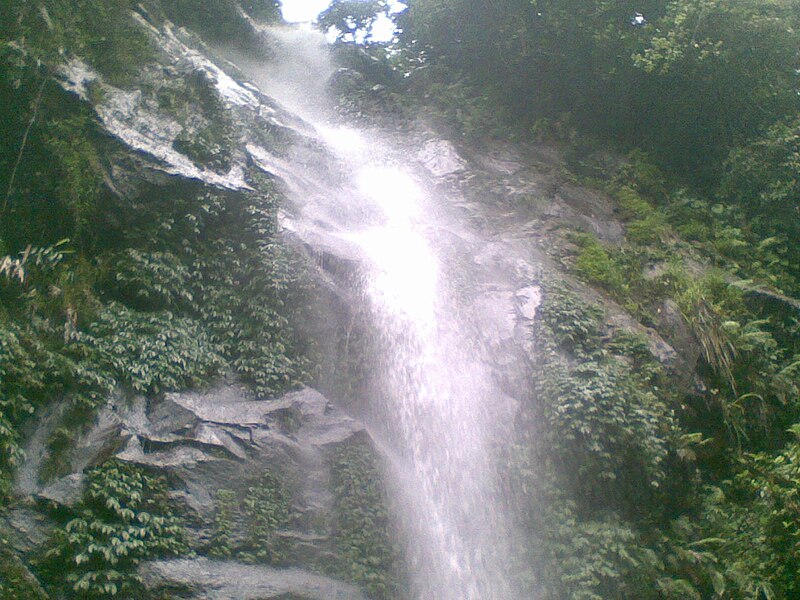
228	580
221	439
212	440
525	205
440	158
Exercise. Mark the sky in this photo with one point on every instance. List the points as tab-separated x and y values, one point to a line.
303	10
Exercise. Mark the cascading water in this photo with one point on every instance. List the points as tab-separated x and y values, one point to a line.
435	418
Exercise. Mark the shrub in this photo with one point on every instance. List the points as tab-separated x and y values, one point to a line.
226	509
123	518
610	431
266	509
152	280
752	522
150	352
79	164
631	205
597	559
366	554
575	324
597	265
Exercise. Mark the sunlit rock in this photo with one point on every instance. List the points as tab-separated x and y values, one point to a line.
440	158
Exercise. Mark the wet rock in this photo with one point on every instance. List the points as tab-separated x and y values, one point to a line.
587	210
103	440
440	158
219	439
225	404
188	457
673	327
773	302
66	491
35	448
496	317
528	301
662	351
210	435
227	580
501	164
24	527
76	76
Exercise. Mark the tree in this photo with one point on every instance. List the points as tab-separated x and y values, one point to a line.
353	20
686	82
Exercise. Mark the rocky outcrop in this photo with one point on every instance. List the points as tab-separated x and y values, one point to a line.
227	580
213	440
522	200
222	439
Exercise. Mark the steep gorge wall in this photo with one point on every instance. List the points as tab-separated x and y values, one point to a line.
177	334
175	276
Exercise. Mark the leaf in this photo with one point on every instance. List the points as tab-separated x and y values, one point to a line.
718	583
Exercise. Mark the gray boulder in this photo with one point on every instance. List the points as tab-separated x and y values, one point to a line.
227	580
204	442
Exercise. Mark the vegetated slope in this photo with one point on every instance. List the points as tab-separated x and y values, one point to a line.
139	258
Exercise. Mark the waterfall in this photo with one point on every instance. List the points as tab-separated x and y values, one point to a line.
434	411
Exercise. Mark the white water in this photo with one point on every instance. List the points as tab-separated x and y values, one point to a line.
434	407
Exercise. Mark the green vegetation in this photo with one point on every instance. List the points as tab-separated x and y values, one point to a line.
638	490
16	581
225	512
247	527
147	290
365	552
597	264
700	545
222	20
606	418
101	32
124	518
148	319
687	84
266	509
754	519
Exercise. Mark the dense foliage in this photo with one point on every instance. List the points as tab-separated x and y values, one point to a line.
161	289
247	527
687	81
664	513
124	517
726	530
366	554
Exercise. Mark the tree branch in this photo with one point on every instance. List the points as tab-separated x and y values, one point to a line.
24	143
